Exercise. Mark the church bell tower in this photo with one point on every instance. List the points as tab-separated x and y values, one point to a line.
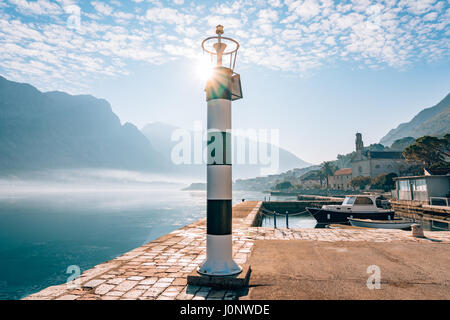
359	142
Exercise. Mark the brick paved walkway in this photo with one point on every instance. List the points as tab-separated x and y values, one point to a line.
158	269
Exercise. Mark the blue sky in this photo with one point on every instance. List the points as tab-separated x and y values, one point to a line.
317	70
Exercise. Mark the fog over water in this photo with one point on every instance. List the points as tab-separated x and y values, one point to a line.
82	179
52	220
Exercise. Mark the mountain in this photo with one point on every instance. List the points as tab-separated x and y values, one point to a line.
434	121
55	130
402	144
160	134
268	182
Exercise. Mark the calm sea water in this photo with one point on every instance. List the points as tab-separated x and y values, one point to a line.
43	233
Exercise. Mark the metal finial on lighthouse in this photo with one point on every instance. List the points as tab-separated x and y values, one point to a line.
219	30
222	88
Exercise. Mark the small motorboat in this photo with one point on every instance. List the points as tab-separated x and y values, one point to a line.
354	206
381	224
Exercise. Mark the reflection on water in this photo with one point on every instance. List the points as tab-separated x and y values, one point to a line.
297	221
304	220
43	233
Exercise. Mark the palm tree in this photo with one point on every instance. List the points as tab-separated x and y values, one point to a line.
328	169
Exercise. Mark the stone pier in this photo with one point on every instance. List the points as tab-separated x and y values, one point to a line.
158	269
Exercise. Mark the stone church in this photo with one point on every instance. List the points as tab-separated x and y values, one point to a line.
373	163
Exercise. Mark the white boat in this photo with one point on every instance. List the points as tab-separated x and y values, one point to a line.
354	206
381	224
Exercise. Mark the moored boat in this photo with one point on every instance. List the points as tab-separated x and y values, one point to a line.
354	206
381	224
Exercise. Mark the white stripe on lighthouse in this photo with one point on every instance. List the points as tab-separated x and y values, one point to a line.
219	182
219	114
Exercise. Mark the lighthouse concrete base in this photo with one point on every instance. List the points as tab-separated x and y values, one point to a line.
237	281
219	257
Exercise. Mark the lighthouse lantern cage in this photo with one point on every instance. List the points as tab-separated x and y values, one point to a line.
218	50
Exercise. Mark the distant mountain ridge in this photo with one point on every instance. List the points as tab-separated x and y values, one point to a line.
434	121
56	130
160	135
42	131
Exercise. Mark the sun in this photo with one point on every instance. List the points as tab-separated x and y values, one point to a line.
203	69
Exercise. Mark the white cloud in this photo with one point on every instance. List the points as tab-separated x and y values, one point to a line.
306	9
275	3
102	8
267	15
292	36
330	41
360	5
38	7
168	15
231	23
430	16
417	6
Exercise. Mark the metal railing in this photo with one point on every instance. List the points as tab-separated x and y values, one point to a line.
442	201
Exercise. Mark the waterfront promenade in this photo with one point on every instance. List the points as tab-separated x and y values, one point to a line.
158	269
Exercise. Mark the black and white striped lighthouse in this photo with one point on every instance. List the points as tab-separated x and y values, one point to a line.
222	88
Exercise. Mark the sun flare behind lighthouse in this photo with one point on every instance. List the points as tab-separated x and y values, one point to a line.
203	69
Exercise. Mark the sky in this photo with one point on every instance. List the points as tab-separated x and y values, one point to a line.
318	71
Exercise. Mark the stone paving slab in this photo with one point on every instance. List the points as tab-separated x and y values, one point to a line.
159	269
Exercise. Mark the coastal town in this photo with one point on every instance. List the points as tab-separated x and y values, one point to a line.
375	168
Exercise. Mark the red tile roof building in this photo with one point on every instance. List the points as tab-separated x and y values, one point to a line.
341	179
